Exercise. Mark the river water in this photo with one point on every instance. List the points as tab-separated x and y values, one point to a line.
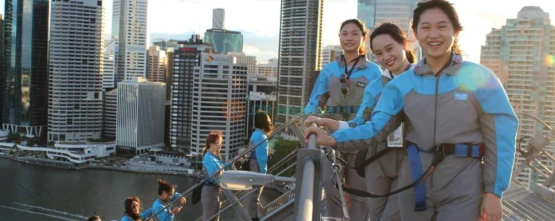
30	193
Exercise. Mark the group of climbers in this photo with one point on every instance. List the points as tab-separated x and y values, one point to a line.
442	125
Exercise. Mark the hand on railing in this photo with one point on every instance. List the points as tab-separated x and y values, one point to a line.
321	137
312	120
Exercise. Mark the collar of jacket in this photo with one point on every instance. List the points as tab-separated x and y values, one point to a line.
387	74
423	69
362	64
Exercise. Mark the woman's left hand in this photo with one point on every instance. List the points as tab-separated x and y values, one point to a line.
321	137
491	208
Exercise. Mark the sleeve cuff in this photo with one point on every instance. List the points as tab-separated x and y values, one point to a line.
490	189
343	125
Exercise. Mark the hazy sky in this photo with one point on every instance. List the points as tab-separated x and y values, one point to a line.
259	20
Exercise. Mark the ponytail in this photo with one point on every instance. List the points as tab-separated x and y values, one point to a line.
410	56
210	139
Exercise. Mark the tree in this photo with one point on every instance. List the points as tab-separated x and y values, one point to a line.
283	148
31	142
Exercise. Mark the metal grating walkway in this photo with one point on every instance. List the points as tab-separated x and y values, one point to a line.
521	204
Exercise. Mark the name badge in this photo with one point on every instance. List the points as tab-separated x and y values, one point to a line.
396	139
461	96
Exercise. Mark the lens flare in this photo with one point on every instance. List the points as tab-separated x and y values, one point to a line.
550	60
472	78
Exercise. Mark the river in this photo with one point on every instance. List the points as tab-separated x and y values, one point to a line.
34	193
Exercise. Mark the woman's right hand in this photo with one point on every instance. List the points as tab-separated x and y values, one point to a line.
176	210
313	120
321	137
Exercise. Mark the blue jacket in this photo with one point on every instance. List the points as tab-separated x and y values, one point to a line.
158	205
261	152
466	103
328	82
213	163
371	96
145	214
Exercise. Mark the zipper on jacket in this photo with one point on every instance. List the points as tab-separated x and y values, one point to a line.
435	117
437	75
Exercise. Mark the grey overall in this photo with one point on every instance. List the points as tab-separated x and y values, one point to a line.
357	206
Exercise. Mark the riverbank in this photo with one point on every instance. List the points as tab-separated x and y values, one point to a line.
71	166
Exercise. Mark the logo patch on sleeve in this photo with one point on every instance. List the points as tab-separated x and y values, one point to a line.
461	96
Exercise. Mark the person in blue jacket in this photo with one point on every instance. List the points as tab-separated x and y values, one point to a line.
212	162
259	157
390	46
340	85
459	112
166	194
133	210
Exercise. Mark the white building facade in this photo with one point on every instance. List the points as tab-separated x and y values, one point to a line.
76	62
140	114
129	24
220	94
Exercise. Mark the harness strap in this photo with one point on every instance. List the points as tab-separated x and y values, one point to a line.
460	150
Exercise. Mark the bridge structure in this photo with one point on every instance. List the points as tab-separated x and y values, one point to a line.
301	194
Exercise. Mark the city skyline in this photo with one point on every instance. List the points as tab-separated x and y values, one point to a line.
261	35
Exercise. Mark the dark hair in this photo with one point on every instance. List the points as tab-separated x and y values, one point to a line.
129	210
261	122
94	218
164	186
447	8
210	139
397	34
362	26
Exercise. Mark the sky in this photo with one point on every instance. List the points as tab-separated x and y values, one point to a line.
258	20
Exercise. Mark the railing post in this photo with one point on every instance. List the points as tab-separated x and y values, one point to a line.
308	185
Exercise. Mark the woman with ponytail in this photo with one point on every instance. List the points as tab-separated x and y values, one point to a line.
340	85
133	208
390	46
212	161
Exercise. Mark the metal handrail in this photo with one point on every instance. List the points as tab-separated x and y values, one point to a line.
189	191
307	201
270	170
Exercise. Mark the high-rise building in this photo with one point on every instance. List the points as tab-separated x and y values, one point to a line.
375	12
166	44
109	68
25	66
299	54
75	93
140	118
169	83
218	18
224	41
243	59
269	70
219	97
2	61
110	113
399	12
156	66
521	54
330	52
129	24
185	59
